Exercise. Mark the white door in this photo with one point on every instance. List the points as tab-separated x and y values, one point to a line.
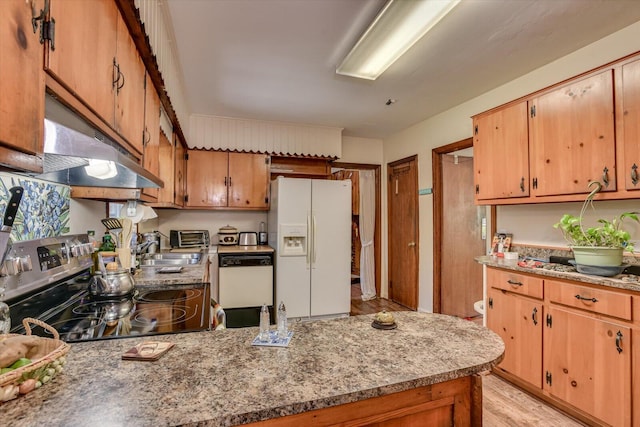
292	272
331	247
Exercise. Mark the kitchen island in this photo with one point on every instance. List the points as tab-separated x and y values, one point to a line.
337	368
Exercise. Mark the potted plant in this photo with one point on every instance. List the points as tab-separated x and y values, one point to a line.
601	245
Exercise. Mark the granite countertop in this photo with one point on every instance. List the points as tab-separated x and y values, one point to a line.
621	281
217	378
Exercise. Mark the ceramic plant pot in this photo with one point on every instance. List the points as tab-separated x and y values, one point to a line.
597	256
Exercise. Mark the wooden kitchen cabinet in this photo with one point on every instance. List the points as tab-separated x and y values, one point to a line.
171	171
151	135
572	137
93	56
501	153
628	115
518	320
180	182
21	88
568	343
220	179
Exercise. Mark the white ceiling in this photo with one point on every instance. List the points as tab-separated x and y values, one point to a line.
276	59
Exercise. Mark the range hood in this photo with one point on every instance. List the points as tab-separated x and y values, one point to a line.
77	154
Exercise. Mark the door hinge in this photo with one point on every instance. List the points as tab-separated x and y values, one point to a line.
532	111
490	302
475	130
477	189
186	156
186	198
547	377
535	183
48	32
266	200
266	160
549	321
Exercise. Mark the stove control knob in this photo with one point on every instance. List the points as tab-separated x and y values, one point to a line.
25	263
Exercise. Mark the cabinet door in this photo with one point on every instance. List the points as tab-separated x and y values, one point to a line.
248	180
501	153
166	171
151	142
518	321
85	46
21	79
630	117
572	137
589	363
180	169
207	178
129	108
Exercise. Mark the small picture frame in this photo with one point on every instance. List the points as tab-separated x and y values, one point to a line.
500	244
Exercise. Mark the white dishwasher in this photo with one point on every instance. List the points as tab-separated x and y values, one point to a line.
245	282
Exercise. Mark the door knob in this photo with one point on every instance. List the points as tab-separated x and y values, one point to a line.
412	244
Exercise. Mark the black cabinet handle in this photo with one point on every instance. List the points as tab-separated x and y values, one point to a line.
534	316
581	298
634	174
514	282
605	176
522	184
618	342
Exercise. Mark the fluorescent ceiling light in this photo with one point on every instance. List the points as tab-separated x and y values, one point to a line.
399	25
101	169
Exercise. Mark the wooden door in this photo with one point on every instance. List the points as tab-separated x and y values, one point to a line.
501	153
518	321
21	80
151	153
589	363
207	178
630	117
180	169
572	137
403	237
461	276
248	180
129	109
85	47
166	170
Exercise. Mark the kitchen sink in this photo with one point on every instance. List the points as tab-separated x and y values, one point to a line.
170	258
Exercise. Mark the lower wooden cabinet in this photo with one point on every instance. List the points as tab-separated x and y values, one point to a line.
570	345
517	320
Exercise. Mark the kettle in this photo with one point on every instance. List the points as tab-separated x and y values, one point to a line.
111	283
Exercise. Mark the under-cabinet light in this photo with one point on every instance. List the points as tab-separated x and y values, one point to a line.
398	26
101	169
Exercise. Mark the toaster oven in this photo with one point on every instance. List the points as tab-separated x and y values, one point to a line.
189	238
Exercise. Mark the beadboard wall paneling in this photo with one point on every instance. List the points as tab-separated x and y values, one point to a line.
213	132
154	16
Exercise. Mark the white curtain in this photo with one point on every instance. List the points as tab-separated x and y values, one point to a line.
367	228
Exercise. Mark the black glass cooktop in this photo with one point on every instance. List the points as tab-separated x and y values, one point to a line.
79	316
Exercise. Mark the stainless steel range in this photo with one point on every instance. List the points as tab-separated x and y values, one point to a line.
48	279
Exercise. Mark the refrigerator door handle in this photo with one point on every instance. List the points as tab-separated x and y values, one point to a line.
313	259
309	237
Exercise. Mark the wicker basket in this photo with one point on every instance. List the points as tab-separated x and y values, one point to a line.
40	371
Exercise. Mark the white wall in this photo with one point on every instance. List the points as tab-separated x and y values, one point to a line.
85	215
184	219
455	124
361	150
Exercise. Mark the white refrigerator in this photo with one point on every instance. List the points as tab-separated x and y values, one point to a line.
309	225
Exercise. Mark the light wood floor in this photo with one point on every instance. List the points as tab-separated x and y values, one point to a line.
503	404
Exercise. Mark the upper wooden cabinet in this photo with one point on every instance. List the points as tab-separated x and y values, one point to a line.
501	153
93	56
180	181
21	88
151	154
572	137
220	179
628	114
171	171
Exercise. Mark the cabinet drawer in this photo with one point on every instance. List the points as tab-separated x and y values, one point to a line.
600	301
515	282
